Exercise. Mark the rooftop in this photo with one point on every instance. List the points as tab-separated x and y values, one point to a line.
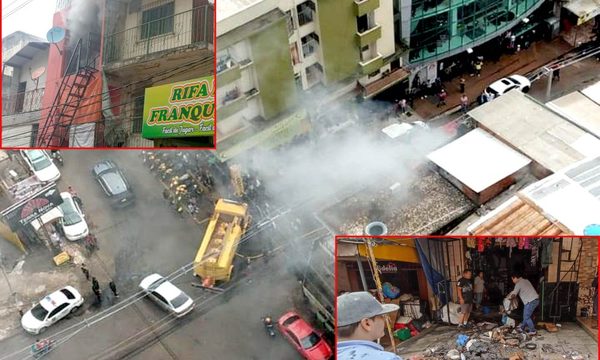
582	108
477	169
536	131
565	202
232	14
425	206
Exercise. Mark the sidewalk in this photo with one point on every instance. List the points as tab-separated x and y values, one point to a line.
523	62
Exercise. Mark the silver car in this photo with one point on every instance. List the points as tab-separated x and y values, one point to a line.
167	295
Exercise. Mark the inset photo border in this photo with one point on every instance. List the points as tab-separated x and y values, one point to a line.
466	297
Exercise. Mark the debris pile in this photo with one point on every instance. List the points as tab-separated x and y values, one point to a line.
488	341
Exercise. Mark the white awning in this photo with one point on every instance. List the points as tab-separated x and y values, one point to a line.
48	217
585	10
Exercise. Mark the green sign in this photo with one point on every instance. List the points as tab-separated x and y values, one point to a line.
182	109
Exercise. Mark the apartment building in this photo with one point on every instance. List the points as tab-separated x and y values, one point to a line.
276	56
25	58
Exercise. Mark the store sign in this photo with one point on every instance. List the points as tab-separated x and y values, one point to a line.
24	212
182	109
389	268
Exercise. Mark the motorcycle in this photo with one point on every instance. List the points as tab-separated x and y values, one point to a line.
57	157
41	348
268	322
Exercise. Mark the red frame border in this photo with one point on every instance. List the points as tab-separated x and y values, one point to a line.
392	237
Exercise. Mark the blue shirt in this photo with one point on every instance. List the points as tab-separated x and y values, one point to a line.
363	350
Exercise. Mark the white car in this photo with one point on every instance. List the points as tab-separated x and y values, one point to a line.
73	220
504	85
167	295
51	309
41	165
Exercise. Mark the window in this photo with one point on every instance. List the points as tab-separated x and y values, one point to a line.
310	341
57	310
362	23
158	20
290	320
374	73
138	114
159	297
68	294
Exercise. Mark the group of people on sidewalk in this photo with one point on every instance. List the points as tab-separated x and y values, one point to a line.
96	285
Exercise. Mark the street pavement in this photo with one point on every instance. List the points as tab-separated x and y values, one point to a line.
150	237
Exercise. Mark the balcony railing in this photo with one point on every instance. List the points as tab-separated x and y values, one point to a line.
22	102
193	27
310	47
225	63
305	16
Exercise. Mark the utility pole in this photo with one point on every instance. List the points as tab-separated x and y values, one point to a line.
12	292
380	290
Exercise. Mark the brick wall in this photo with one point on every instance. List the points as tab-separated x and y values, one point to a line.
587	272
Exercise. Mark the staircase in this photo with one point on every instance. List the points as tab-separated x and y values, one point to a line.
68	98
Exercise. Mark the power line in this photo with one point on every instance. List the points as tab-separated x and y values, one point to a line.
15	10
9	4
136	297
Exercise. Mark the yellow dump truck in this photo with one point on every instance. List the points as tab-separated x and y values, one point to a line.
214	260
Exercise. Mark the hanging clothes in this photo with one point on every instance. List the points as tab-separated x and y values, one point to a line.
471	243
521	243
546	252
535	248
480	246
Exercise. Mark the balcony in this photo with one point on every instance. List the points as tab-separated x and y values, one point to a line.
369	36
305	16
372	65
363	7
193	28
228	70
233	102
22	102
310	47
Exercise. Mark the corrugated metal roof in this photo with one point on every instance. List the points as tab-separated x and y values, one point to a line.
538	132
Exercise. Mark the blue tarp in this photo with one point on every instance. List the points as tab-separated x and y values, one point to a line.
435	279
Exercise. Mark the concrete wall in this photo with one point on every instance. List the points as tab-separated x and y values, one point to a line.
39	60
337	24
384	16
274	73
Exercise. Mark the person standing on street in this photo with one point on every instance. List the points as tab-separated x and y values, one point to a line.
113	288
360	323
478	66
442	98
556	75
95	284
403	106
464	103
479	289
530	298
465	297
85	271
462	85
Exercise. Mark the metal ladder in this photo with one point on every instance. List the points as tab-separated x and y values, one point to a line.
62	114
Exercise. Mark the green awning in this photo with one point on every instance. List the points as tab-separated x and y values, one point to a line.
278	134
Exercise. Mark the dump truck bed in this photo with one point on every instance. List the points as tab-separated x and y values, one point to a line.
217	250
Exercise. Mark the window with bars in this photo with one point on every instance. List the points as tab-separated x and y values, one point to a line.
158	20
138	114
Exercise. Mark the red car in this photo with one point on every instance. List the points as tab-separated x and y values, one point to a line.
305	339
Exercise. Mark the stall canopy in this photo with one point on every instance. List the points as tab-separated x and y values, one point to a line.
585	10
404	251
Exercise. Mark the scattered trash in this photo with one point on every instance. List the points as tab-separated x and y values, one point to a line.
470	344
462	340
531	346
453	355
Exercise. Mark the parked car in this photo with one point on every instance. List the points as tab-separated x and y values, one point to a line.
167	295
113	182
504	85
42	166
309	343
51	309
73	220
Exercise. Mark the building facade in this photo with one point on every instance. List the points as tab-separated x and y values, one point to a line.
149	43
25	59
